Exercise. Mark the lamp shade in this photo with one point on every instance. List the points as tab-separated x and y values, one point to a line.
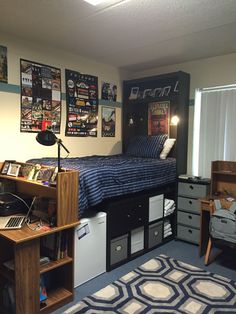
47	138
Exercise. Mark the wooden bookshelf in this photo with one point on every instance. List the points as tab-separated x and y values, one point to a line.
24	247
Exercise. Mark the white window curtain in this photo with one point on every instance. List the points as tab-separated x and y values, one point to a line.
214	129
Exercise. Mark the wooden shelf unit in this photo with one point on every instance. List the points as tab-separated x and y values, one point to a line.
223	178
23	247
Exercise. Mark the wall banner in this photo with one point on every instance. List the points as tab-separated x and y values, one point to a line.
81	104
40	97
158	118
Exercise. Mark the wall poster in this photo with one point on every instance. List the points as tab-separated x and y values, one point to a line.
158	118
3	64
40	97
108	121
109	91
81	103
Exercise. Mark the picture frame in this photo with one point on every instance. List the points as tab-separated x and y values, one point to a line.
13	170
5	167
54	176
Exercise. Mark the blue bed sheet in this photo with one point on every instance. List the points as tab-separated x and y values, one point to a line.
102	177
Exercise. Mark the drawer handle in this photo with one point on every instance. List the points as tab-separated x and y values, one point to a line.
128	215
118	248
190	231
191	187
140	205
190	202
140	219
190	217
156	233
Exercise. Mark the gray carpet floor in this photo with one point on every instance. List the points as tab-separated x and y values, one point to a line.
224	265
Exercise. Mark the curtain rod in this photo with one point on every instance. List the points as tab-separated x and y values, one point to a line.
209	89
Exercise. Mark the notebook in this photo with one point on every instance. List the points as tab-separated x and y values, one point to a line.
14	222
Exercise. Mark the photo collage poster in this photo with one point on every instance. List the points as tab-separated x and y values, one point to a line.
158	118
40	97
109	91
3	64
82	104
108	121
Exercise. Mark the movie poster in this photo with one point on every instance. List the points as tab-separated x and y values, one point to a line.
108	122
82	104
3	64
158	118
40	97
109	91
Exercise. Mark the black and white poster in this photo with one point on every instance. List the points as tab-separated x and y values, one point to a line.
3	64
109	91
82	104
40	97
108	122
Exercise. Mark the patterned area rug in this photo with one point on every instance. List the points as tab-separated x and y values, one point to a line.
163	285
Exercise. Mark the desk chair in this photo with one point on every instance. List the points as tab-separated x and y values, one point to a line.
217	236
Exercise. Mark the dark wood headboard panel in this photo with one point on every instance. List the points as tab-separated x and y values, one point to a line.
172	87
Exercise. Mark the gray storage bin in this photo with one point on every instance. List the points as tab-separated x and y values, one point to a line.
119	249
188	219
188	233
155	234
192	190
189	204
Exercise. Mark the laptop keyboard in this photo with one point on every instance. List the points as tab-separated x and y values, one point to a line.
13	222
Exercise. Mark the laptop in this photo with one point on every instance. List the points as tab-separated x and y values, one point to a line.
14	222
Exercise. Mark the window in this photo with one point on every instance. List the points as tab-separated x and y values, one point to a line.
214	133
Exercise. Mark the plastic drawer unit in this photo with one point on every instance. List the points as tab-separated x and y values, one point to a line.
190	191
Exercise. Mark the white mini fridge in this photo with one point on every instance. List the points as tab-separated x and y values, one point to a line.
90	248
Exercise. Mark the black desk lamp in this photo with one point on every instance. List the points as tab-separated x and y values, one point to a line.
48	138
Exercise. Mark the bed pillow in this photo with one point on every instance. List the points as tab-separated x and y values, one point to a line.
146	146
169	143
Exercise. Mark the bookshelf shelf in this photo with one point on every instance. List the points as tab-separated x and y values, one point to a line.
59	295
55	264
24	247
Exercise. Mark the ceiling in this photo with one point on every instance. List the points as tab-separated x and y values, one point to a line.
133	35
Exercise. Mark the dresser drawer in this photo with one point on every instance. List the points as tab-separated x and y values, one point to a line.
192	190
188	219
190	204
188	234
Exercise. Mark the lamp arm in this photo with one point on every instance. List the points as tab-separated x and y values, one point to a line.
59	142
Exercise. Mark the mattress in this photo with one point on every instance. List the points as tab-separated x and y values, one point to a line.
103	177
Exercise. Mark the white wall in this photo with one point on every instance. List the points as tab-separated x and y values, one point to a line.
22	146
208	72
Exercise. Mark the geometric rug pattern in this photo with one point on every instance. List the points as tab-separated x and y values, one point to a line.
163	285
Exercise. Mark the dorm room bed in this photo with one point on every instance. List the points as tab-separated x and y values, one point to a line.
123	186
105	177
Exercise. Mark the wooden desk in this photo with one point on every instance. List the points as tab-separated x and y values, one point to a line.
205	245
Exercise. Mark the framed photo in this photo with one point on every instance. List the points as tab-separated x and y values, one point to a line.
54	176
13	170
45	174
5	167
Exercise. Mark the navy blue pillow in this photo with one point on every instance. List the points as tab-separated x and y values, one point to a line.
146	146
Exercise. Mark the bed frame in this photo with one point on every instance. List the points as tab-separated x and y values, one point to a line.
131	224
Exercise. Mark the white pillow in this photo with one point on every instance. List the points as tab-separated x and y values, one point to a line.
169	143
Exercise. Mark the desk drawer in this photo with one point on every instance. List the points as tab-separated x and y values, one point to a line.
189	204
192	190
188	234
188	219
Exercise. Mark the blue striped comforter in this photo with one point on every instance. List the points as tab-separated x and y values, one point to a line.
102	177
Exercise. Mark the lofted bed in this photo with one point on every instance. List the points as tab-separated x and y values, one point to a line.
125	185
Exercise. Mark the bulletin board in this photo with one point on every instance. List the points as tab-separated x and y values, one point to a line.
82	104
40	97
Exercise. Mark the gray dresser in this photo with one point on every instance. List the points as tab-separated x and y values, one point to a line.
190	190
